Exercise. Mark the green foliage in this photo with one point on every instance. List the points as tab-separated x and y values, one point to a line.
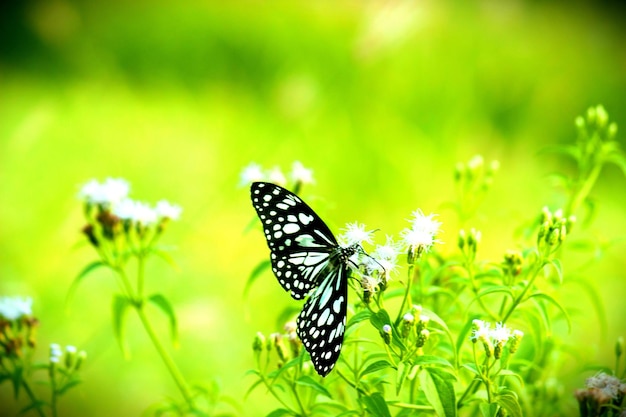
445	359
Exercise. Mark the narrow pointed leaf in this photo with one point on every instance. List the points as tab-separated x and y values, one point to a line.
307	381
160	301
79	278
375	404
120	313
439	391
256	272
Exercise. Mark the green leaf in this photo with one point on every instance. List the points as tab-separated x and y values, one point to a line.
379	319
432	360
256	272
506	372
164	253
120	310
509	402
307	381
39	404
404	368
279	412
556	263
357	318
79	278
488	409
439	391
552	301
69	385
160	301
472	368
375	404
375	367
252	388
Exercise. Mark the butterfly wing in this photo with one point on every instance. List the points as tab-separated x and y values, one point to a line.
300	242
322	322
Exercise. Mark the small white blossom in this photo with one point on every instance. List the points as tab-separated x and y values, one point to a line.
168	211
355	233
422	232
301	174
501	333
111	191
387	328
144	214
386	255
13	308
55	352
608	384
125	209
70	349
250	174
276	176
369	284
408	317
482	330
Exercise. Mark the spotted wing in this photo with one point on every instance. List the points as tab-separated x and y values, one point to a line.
300	242
322	322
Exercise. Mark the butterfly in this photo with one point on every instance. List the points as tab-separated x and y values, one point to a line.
307	260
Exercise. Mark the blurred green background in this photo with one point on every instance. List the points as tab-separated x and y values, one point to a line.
379	98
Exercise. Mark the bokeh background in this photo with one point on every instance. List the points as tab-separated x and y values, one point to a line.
379	98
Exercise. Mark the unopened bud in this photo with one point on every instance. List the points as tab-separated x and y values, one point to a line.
611	131
70	355
80	358
515	340
386	334
422	337
619	347
462	239
258	342
407	324
602	116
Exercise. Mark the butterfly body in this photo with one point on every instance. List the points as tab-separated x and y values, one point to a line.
307	261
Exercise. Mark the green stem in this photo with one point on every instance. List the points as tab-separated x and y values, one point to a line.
406	292
540	263
584	190
34	399
169	363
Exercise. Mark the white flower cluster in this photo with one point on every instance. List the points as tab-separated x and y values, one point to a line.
500	334
13	308
254	172
113	193
609	385
421	235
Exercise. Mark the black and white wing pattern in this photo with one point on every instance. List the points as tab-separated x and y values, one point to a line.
307	260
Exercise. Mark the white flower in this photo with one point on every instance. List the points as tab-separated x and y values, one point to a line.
301	174
276	176
111	191
55	352
251	173
125	209
13	308
501	333
168	211
422	233
369	284
386	255
482	330
144	214
70	349
355	233
608	384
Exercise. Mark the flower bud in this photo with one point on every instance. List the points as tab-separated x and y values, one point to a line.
408	320
459	169
281	349
611	131
70	356
80	358
619	347
602	116
462	239
515	340
580	122
259	342
386	334
422	337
